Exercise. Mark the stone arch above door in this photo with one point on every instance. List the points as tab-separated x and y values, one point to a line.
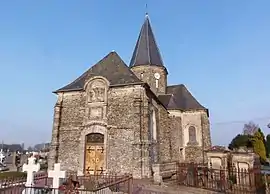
96	128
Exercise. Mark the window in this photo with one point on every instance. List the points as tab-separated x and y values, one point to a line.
192	134
95	138
153	124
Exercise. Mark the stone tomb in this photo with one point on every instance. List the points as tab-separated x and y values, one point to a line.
243	161
240	161
217	159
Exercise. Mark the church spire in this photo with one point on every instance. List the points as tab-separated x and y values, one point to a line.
146	51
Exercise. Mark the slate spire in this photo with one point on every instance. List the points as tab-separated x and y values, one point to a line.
146	51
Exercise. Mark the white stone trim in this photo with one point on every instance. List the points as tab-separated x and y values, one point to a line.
94	128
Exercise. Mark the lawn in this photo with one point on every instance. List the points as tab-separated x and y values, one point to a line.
12	174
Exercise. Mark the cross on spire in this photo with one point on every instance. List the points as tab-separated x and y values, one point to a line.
146	50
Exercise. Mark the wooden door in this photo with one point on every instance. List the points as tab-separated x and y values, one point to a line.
94	154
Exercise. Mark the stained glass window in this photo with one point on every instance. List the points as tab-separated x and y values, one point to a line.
95	138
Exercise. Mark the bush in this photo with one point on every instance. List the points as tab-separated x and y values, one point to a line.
233	179
12	174
43	166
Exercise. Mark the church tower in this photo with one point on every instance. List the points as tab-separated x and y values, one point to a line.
146	61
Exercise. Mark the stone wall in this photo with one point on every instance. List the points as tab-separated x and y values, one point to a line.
68	117
165	143
146	74
128	117
207	143
194	151
175	127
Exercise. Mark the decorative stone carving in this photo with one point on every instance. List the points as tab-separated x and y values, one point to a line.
97	91
95	112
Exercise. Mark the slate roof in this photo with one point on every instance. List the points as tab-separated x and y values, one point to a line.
112	67
146	51
178	97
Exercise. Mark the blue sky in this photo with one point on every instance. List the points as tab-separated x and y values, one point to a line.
218	49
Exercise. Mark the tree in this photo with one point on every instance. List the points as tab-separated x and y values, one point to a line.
264	141
258	145
250	128
268	145
240	141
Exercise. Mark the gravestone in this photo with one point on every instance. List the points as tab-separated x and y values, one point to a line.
30	168
2	157
56	174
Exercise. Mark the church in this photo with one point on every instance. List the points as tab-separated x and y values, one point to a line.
116	118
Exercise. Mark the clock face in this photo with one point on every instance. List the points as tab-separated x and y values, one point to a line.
157	76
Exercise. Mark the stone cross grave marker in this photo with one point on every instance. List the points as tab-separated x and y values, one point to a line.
30	168
2	157
56	174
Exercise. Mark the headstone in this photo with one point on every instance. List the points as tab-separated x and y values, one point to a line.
56	174
30	168
2	156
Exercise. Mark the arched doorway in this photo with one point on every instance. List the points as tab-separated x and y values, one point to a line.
94	154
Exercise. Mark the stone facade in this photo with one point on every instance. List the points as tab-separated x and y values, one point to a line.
123	116
193	151
127	118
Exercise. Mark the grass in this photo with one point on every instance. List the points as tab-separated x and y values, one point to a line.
12	174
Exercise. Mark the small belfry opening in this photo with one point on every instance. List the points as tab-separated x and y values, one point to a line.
94	154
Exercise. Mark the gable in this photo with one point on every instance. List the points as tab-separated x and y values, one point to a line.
112	67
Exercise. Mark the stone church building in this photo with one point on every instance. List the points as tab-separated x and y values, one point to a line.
122	119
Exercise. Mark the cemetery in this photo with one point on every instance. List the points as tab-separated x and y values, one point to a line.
57	181
225	172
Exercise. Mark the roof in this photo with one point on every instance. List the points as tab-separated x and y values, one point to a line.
178	97
112	67
146	51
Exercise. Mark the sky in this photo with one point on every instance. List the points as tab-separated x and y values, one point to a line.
218	49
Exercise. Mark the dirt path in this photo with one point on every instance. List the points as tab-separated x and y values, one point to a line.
147	187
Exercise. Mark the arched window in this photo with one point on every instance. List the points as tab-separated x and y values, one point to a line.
192	134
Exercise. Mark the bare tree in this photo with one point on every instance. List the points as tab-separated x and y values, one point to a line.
250	128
